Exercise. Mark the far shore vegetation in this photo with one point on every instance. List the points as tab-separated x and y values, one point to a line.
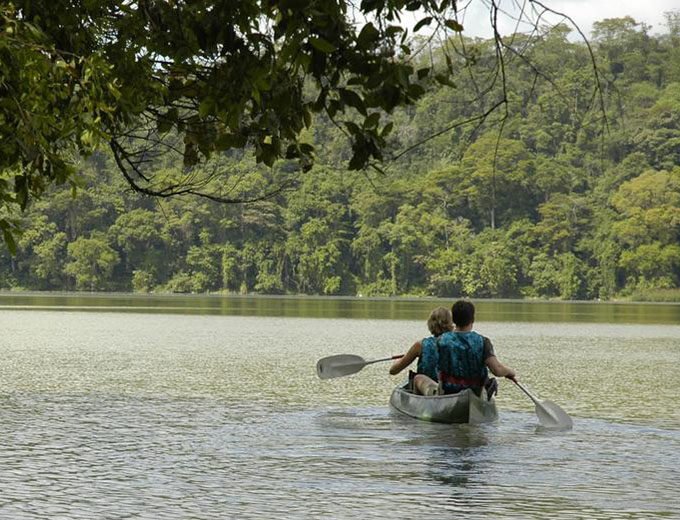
557	203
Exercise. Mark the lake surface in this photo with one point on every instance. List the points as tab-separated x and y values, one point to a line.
112	409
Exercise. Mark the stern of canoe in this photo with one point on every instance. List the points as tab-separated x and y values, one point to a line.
463	407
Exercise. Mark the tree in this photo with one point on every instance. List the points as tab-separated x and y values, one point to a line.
54	103
616	37
577	214
649	208
138	235
317	256
205	262
563	219
652	266
202	78
499	179
42	249
91	263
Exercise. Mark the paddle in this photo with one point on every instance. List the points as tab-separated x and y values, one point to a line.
549	414
345	365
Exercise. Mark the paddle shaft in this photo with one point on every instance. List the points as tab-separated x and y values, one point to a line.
397	356
345	364
525	390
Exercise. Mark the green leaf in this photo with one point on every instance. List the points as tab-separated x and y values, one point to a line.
256	96
320	100
372	120
415	91
307	116
422	23
306	148
9	238
292	151
164	125
403	73
226	141
358	160
353	128
454	25
333	107
206	107
387	129
368	35
393	30
374	81
322	45
445	80
351	98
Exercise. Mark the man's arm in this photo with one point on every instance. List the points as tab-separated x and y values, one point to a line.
499	369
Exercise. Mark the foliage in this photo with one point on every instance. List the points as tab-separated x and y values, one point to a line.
552	203
153	77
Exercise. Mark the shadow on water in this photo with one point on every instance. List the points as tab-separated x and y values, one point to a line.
453	452
452	436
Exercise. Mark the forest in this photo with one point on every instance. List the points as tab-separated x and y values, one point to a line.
569	191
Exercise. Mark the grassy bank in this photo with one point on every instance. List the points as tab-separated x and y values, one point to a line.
657	295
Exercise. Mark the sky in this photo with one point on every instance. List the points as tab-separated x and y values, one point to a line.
583	12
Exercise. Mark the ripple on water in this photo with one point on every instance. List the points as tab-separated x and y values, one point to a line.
111	416
112	456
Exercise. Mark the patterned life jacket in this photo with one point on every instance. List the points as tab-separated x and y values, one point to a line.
429	357
461	361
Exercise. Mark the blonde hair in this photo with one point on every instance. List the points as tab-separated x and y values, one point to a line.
440	321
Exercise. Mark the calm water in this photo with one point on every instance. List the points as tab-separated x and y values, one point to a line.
210	415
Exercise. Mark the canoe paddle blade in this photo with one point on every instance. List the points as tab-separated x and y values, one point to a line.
552	417
345	365
549	414
339	366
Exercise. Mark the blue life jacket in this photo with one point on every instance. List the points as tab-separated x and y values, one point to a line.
461	361
429	356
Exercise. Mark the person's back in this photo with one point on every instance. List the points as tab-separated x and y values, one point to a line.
428	361
464	355
426	351
461	361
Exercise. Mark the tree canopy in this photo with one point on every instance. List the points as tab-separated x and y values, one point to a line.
549	203
196	79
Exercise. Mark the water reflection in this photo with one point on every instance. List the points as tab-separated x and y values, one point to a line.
454	436
454	453
510	470
345	307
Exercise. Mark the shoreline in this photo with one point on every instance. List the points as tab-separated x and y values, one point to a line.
320	297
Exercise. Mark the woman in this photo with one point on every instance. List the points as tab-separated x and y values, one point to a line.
425	381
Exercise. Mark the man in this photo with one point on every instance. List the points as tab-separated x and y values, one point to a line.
466	356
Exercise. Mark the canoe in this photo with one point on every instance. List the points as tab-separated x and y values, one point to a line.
463	407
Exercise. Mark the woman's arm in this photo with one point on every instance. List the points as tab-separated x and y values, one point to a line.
498	368
401	363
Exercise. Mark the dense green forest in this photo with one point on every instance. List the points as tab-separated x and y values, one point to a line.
571	193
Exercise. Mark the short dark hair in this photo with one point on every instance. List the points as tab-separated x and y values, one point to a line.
463	313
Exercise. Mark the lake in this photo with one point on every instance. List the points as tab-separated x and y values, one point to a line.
209	407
